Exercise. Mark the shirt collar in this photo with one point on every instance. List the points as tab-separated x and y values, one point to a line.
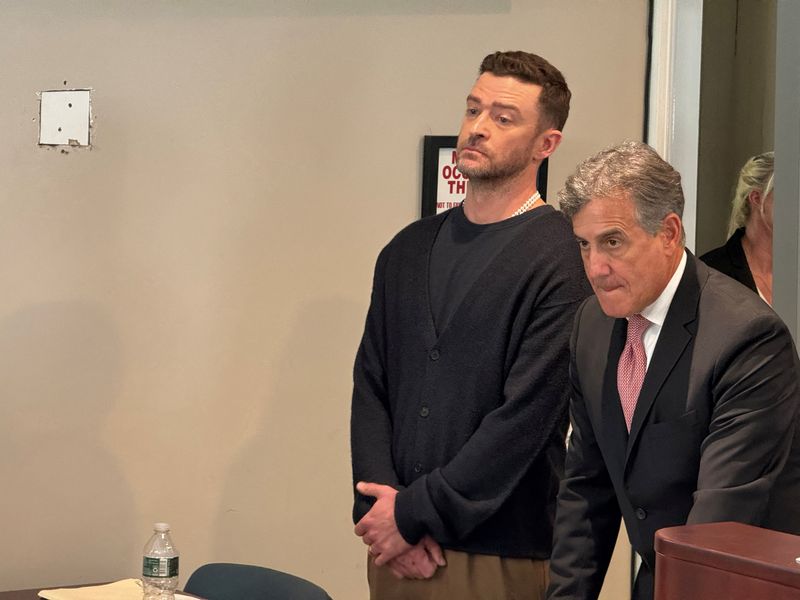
656	313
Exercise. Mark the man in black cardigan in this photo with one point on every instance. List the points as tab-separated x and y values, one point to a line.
460	382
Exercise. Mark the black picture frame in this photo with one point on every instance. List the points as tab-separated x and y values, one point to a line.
432	145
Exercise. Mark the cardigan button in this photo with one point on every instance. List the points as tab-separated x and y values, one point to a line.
641	514
417	467
434	354
424	412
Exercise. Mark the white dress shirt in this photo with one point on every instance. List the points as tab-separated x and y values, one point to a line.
656	312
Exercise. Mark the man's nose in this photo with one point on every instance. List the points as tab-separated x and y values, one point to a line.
595	264
479	126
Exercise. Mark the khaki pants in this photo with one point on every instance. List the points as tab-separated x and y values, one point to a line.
466	577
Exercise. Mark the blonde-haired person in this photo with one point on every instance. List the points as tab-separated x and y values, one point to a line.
747	255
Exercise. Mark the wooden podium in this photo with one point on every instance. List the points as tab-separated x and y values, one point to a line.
728	561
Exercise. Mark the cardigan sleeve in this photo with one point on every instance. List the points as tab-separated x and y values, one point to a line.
451	501
370	420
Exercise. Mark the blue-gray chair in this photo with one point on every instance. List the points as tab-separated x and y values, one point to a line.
228	581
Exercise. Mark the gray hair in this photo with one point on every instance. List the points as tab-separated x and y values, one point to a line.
628	168
758	173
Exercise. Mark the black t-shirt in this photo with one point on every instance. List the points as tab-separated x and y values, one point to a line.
461	252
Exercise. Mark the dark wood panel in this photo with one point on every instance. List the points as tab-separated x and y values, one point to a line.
726	560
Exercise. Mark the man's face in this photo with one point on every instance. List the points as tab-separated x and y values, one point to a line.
627	267
498	134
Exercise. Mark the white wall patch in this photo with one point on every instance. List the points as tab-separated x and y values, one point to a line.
64	118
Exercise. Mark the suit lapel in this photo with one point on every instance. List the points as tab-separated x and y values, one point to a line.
672	342
613	421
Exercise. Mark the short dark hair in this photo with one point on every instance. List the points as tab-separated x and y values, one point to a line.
531	68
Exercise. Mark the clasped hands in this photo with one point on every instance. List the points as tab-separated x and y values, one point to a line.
378	530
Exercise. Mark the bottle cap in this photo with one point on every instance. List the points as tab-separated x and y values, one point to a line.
161	527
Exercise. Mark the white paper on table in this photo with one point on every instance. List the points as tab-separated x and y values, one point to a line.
127	589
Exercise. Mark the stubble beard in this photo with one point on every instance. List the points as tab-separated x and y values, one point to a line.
492	171
488	172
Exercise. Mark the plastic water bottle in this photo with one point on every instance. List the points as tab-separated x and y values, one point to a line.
160	565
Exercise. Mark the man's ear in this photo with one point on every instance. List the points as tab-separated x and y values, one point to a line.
547	143
672	230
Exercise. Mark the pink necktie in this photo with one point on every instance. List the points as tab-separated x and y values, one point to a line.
632	367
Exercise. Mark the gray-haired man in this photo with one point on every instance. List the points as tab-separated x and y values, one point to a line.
685	384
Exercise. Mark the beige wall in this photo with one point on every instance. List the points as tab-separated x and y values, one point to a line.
182	303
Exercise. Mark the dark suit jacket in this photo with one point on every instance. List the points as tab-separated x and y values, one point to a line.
731	260
714	435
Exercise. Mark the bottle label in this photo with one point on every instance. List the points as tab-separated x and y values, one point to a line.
160	567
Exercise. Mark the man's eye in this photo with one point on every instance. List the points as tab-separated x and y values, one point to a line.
472	112
503	120
583	244
613	243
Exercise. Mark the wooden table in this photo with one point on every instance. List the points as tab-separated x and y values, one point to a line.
20	595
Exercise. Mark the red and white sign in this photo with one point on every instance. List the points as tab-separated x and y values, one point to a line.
451	185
